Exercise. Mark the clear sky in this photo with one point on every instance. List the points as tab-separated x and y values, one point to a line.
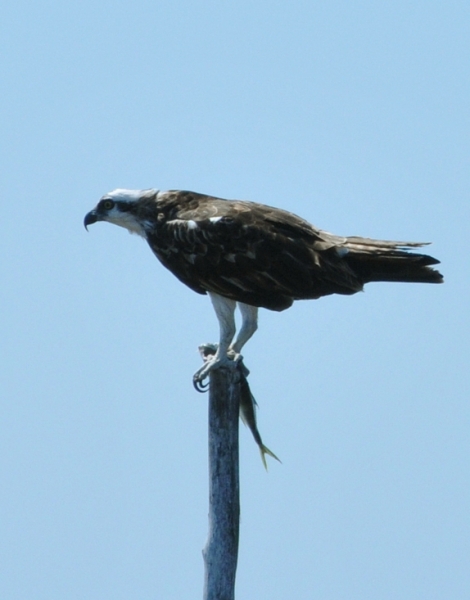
353	114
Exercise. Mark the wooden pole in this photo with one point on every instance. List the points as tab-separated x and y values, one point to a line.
221	550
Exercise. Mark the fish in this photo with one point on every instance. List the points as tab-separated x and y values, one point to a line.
248	406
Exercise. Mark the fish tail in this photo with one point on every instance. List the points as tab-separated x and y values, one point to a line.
265	450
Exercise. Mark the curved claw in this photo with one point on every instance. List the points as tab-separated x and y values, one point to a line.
199	384
201	377
212	362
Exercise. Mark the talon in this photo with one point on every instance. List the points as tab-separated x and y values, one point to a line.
199	384
211	362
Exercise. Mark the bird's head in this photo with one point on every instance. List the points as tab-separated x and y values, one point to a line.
121	207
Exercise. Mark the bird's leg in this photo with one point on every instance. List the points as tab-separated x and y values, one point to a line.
249	326
225	311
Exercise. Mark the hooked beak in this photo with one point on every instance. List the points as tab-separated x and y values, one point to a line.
90	218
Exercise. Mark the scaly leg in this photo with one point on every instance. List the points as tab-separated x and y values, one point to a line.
249	326
225	311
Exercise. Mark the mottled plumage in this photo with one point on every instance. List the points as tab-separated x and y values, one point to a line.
255	255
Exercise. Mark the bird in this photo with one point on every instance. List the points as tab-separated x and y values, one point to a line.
249	255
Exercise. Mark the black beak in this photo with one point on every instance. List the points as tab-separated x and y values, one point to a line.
90	218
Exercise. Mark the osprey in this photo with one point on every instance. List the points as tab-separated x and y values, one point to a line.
250	255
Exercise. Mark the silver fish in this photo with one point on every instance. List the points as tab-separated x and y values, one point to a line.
248	406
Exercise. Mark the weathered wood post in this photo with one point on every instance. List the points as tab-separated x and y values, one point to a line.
221	550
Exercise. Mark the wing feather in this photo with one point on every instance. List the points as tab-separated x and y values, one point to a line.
249	252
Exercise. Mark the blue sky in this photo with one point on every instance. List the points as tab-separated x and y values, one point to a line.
354	115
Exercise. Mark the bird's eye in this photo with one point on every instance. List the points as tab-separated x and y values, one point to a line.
107	204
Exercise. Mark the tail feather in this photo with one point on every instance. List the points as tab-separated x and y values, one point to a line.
378	260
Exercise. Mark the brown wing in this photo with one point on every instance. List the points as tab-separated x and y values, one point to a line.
249	252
